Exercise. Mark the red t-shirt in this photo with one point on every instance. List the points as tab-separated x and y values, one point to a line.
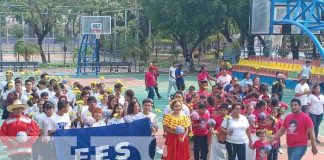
261	153
150	79
210	110
296	126
269	110
202	128
218	119
203	92
156	71
203	76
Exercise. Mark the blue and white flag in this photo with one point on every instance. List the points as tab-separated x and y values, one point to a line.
121	141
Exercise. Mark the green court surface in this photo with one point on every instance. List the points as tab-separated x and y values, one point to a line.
141	94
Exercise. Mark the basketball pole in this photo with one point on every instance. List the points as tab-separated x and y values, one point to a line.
86	61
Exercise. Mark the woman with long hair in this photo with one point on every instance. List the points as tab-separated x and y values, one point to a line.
133	109
315	105
176	126
117	115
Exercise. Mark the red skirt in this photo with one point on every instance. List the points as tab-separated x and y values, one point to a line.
174	149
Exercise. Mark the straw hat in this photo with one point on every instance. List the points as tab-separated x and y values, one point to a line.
16	104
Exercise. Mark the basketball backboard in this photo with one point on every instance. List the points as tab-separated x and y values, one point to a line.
93	24
260	18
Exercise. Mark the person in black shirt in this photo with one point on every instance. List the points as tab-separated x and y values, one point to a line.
279	85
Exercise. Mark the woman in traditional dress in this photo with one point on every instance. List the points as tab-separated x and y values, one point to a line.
177	142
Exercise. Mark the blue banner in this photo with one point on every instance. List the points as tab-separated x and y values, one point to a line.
121	141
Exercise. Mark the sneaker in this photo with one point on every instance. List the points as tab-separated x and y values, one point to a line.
280	151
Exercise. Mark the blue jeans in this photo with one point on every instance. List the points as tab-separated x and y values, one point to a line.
151	92
317	119
234	150
273	154
296	153
200	147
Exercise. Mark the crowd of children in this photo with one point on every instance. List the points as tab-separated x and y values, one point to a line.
234	120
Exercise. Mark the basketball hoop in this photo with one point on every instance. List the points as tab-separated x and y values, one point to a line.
97	32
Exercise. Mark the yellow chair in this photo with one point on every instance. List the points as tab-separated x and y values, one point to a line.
313	71
322	70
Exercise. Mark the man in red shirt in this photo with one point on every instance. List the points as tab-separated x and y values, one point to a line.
298	126
156	74
204	75
19	132
150	82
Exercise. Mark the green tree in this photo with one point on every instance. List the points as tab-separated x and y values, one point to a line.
190	22
41	15
25	49
17	31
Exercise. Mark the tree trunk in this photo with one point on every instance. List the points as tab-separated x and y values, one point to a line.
226	32
250	47
294	47
42	54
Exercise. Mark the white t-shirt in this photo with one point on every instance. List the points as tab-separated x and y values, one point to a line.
316	104
44	122
50	93
306	71
151	116
3	84
85	115
96	95
26	94
224	80
97	124
172	70
32	110
71	96
54	100
301	89
238	126
5	94
114	120
58	122
121	100
185	110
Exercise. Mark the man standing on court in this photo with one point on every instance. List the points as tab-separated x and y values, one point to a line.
172	79
307	70
301	92
150	82
156	74
299	127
